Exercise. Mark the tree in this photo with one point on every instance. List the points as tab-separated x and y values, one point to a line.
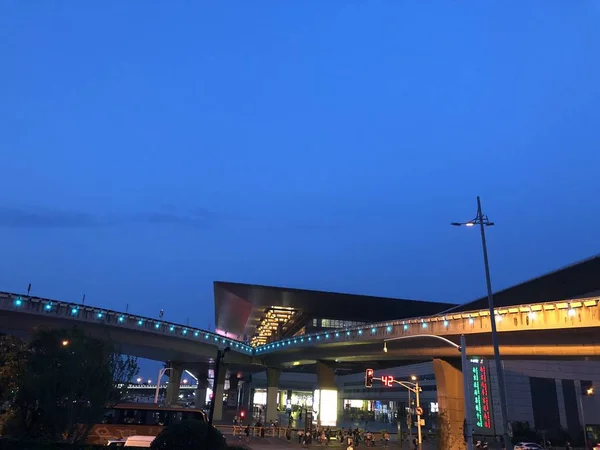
67	380
13	355
445	438
188	435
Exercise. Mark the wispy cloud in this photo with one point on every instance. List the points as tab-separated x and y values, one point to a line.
53	218
45	218
201	218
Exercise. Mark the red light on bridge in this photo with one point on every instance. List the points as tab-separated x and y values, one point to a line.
369	378
387	380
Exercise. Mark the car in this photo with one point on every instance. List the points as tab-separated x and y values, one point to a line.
527	446
139	441
596	447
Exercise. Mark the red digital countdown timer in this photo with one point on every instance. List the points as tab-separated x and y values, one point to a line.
387	380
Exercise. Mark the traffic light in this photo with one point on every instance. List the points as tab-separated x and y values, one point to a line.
369	378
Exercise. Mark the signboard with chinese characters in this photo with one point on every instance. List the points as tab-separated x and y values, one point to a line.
481	398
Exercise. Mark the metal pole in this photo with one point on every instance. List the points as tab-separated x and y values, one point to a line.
583	420
467	393
499	367
418	416
409	418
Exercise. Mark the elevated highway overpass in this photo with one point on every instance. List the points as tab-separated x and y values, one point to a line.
565	328
132	334
558	329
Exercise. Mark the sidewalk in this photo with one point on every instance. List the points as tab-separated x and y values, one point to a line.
278	443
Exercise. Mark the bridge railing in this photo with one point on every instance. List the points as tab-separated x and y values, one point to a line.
79	313
575	313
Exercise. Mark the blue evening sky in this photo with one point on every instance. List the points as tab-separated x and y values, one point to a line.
151	147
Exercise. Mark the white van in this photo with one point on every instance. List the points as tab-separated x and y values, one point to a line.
139	441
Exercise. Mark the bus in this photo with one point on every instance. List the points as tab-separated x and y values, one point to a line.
135	419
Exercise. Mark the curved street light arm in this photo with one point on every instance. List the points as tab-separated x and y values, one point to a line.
434	336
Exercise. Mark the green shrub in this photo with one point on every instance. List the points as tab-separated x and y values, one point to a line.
189	435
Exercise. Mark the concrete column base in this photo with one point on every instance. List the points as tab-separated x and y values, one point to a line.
272	384
172	395
328	396
218	393
451	401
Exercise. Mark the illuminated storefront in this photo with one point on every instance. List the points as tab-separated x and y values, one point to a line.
325	403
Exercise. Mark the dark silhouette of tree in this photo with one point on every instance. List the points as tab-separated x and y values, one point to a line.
66	379
189	434
13	356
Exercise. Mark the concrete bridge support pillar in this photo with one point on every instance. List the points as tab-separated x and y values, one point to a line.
282	396
218	391
451	401
327	395
233	391
272	384
200	397
247	396
172	395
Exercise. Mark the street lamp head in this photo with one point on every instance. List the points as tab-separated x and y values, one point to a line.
385	347
413	377
490	224
469	224
226	349
456	224
65	343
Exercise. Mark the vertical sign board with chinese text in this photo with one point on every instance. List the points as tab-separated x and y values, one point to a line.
481	398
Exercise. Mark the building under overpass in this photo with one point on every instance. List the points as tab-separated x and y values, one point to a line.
253	312
262	314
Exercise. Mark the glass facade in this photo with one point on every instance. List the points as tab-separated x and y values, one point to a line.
334	323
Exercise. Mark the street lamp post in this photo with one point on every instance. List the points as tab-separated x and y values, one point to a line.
589	391
417	390
412	386
483	221
467	392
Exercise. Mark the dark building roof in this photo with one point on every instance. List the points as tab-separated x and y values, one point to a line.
576	280
239	307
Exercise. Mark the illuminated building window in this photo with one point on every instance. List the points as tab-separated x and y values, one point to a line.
272	324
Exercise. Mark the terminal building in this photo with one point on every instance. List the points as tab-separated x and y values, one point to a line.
547	394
